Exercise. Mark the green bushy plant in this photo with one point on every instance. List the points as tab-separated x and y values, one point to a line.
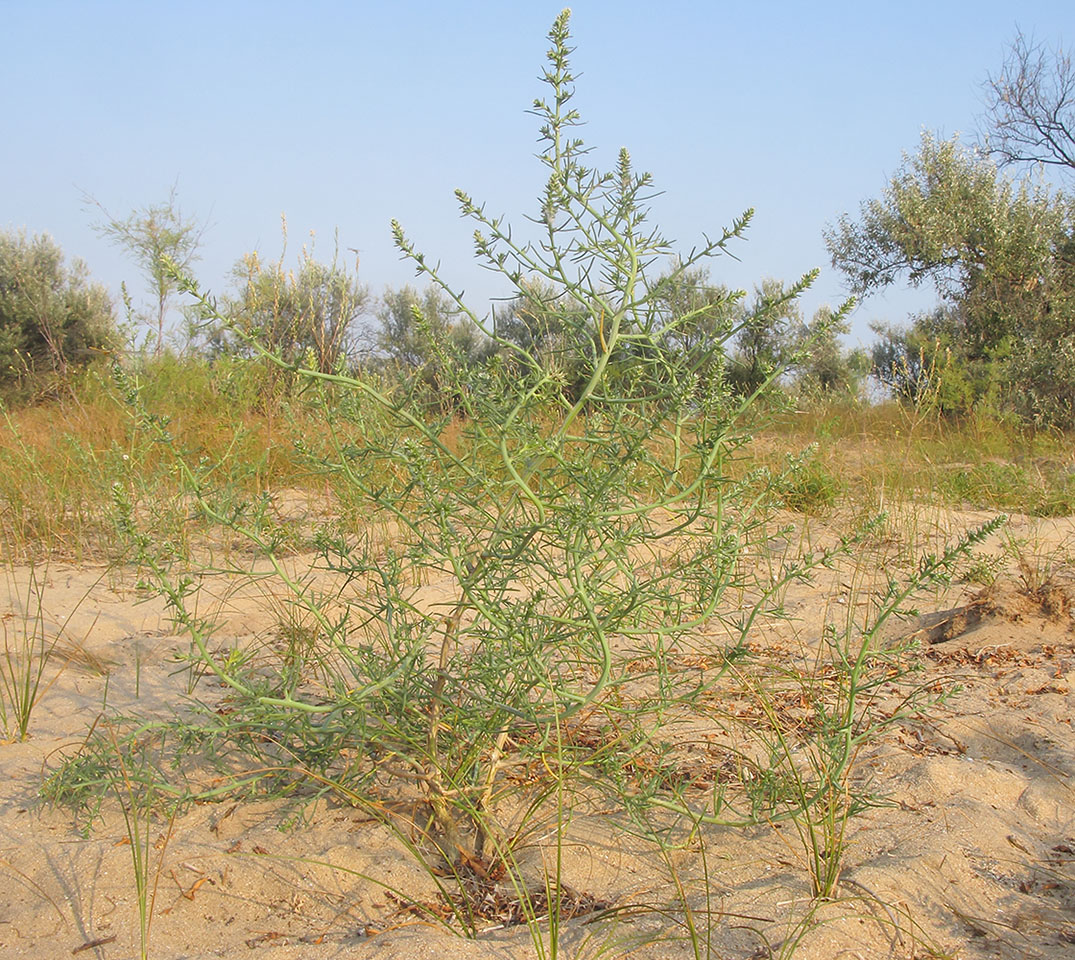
553	514
999	253
309	312
584	530
574	511
52	319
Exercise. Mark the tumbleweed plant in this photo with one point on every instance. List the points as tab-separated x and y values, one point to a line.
797	733
513	617
855	665
580	510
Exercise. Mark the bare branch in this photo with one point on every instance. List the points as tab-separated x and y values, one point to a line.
1031	106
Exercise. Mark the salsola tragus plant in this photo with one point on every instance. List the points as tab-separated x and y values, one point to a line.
569	496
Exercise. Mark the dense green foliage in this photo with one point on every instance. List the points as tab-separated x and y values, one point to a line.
52	319
1001	255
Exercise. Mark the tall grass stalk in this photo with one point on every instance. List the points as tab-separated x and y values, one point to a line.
28	647
137	788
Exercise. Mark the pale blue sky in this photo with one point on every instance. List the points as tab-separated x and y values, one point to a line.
344	115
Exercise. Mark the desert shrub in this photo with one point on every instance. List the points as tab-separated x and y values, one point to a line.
52	319
584	530
585	542
308	315
417	336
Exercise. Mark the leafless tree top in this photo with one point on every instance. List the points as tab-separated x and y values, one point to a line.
1031	106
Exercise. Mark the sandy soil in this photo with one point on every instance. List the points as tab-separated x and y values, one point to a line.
974	856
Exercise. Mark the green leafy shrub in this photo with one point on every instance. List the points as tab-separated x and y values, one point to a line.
999	253
52	319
